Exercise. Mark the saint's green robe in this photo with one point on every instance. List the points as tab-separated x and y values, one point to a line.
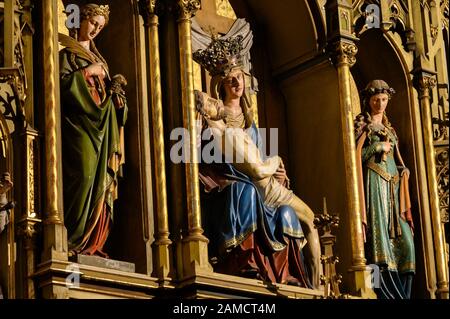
90	148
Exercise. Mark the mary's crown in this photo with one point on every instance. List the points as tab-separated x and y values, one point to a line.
221	55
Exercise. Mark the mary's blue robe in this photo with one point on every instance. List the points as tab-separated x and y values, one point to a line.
233	212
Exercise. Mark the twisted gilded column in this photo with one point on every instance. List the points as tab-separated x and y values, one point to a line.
424	83
51	151
55	234
162	241
195	249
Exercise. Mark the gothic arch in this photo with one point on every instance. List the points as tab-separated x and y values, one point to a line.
299	95
292	31
289	43
288	38
133	216
394	66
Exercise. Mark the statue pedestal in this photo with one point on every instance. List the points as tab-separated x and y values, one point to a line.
101	262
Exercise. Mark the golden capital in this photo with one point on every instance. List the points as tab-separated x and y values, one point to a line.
345	53
148	9
424	83
188	8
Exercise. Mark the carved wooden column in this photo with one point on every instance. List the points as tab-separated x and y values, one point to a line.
440	111
27	38
345	52
330	279
8	33
425	81
55	234
343	49
195	245
29	221
8	75
162	251
22	156
27	161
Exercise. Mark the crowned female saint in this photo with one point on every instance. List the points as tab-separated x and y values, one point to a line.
256	224
93	114
385	201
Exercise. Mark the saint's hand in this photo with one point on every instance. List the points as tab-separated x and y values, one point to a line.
405	171
96	69
386	146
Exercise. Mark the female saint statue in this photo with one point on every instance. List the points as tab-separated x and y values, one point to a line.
93	113
385	201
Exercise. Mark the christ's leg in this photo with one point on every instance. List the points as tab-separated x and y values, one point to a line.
306	216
